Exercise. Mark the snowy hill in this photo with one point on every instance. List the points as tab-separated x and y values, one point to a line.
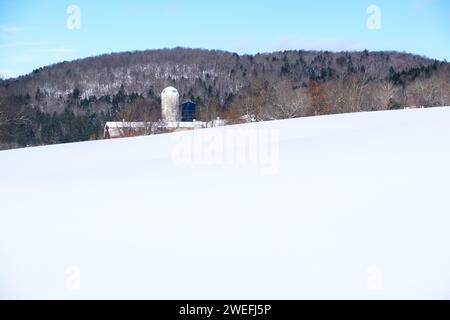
345	206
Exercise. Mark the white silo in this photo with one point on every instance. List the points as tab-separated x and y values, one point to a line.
170	105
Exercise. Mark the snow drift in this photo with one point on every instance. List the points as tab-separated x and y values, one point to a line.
345	206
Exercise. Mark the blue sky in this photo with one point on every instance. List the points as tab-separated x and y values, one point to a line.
34	33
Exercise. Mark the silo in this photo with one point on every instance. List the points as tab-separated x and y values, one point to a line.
188	111
170	109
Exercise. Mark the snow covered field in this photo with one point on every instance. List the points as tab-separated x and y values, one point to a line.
345	206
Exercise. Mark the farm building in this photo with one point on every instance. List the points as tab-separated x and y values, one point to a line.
173	118
188	111
170	105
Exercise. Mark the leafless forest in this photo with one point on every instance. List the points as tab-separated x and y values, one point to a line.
71	101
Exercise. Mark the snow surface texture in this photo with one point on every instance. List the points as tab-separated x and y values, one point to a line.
345	206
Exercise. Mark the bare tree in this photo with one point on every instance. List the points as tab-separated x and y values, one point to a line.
12	114
426	92
254	100
319	99
140	112
209	110
384	94
288	102
357	85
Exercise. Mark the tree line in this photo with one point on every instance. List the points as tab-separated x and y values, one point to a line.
71	101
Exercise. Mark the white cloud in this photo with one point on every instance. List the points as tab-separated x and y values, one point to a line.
27	56
22	44
57	54
330	44
423	4
241	46
53	50
5	74
11	29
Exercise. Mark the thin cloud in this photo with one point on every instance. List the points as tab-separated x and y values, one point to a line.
55	53
423	4
53	50
242	45
11	29
18	44
330	44
3	75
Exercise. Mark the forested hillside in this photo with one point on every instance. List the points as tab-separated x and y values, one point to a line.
71	101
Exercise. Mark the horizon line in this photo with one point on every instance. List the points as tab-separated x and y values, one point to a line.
222	51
